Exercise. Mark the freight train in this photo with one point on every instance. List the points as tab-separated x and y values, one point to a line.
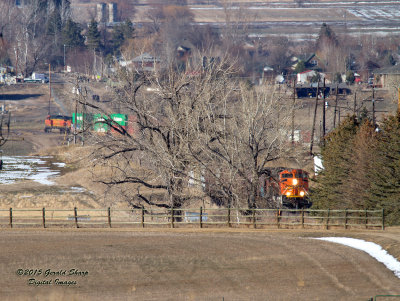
94	122
58	122
101	123
293	188
286	187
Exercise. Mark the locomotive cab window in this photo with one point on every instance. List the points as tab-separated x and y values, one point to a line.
286	175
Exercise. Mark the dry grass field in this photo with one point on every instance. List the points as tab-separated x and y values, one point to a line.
191	265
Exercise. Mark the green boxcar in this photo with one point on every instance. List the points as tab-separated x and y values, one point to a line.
98	122
85	119
98	125
121	119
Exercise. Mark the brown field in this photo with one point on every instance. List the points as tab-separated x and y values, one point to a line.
193	265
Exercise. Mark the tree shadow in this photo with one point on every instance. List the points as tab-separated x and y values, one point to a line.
17	97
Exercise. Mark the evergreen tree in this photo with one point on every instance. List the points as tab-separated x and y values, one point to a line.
300	67
54	23
93	37
71	34
350	78
336	156
357	188
385	174
121	34
326	36
337	78
315	78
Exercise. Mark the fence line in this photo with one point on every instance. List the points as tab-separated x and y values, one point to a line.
191	217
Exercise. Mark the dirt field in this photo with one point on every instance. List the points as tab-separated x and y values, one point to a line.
187	265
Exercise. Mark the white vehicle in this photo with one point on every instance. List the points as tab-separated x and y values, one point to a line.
37	78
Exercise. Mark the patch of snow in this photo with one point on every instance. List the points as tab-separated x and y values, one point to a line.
28	168
78	189
59	164
318	165
370	248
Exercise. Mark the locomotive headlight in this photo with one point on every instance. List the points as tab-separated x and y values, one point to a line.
295	182
302	193
288	193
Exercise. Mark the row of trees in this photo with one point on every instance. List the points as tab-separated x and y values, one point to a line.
209	130
39	31
361	167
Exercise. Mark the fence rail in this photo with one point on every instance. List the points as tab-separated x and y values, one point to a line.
200	217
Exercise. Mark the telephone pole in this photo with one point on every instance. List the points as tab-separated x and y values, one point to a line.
323	115
49	86
293	105
315	117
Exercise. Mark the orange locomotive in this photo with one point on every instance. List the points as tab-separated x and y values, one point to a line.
58	122
293	186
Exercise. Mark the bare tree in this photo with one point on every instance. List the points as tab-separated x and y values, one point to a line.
29	42
157	156
253	132
190	128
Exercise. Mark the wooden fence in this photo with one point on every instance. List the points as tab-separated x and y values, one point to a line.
200	218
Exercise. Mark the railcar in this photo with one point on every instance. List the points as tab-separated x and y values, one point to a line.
58	122
293	186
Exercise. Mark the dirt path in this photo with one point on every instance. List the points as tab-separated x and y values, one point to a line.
187	265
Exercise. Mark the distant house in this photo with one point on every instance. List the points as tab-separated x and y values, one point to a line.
145	62
388	76
311	61
305	76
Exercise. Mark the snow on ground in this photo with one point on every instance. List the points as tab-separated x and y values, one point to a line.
370	248
28	168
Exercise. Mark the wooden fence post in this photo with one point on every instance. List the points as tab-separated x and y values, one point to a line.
345	218
142	217
302	218
278	213
254	218
44	217
11	218
172	217
201	217
383	219
229	217
109	216
76	216
366	219
327	219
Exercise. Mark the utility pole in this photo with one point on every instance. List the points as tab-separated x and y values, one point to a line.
16	62
336	102
64	58
315	117
49	86
355	104
323	115
293	105
76	111
373	106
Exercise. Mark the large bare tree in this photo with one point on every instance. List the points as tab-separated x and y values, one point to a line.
204	128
